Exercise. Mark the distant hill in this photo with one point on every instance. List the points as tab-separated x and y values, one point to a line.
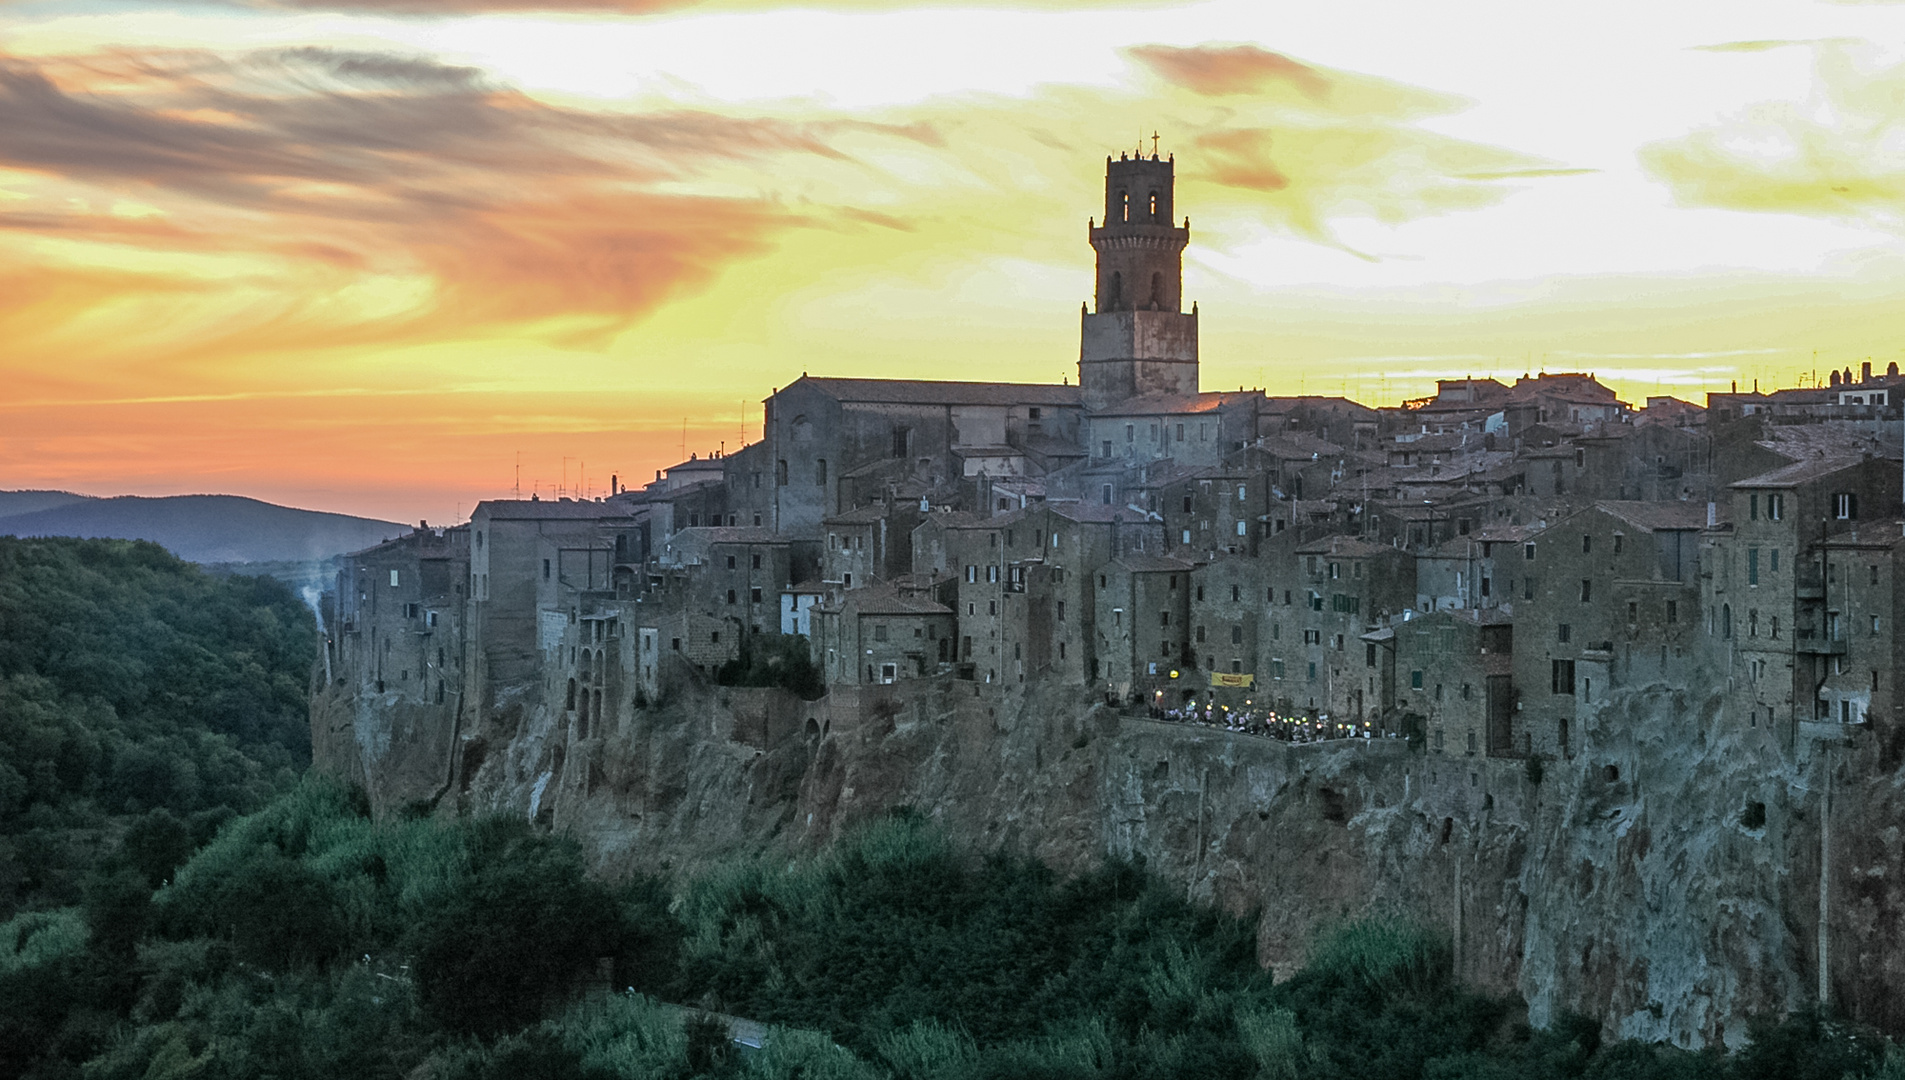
26	502
198	528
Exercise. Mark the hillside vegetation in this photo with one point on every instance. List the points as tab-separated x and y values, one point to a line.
308	940
142	703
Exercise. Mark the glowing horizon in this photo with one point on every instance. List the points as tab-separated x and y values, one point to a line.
327	256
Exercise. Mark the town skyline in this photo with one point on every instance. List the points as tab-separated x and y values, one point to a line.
360	262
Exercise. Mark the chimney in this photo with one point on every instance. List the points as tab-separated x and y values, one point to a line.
1865	372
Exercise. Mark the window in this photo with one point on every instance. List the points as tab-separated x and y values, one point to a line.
1752	504
1527	588
1587	590
1845	507
730	596
1237	634
1776	507
1633	612
902	442
780	473
1130	433
545	569
1200	635
879	631
1033	412
1752	566
393	579
754	595
1773	563
1563	632
1875	573
1104	493
1619	542
1528	552
1415	680
1673	615
1164	618
1562	676
730	562
1587	544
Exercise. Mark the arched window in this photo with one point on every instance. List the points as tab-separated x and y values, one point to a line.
570	705
1124	206
1154	206
1726	620
1157	291
1116	299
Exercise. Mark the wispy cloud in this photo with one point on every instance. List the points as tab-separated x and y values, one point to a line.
1840	154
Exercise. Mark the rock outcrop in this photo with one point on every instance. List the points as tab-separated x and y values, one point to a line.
1665	878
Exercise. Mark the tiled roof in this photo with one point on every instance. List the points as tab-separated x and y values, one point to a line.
924	392
859	515
1351	546
1095	513
547	510
731	534
885	600
1800	472
1657	516
1150	564
1175	404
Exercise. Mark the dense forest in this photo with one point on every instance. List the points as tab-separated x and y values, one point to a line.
183	905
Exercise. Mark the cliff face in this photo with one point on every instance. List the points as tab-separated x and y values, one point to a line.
1665	878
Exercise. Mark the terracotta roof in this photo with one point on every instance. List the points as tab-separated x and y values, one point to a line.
730	534
885	600
1350	546
859	515
1657	516
1800	472
1176	404
934	392
1150	564
1093	513
1882	534
547	510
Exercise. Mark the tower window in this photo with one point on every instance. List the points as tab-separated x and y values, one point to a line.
1124	206
1154	206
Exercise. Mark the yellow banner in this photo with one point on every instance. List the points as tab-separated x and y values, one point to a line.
1224	678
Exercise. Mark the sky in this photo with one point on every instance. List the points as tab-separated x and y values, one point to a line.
394	258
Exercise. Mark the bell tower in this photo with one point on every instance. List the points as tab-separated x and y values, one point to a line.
1138	341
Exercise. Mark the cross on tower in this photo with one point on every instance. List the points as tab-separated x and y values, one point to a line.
1154	144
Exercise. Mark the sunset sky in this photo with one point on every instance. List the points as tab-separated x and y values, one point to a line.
361	256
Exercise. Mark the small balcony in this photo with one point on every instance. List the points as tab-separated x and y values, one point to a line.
1816	644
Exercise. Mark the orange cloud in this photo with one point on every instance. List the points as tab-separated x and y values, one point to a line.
1222	71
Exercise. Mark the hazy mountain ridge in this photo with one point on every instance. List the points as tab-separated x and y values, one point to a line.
14	503
198	528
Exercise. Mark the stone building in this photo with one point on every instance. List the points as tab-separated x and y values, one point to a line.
879	635
1142	615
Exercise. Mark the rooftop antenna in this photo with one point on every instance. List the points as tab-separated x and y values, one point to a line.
519	475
